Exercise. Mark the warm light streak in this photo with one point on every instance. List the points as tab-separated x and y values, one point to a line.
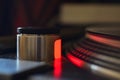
111	42
57	49
75	60
57	68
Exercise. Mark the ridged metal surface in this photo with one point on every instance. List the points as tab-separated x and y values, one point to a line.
36	47
99	51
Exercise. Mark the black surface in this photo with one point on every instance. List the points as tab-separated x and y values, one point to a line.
69	72
37	30
100	48
105	30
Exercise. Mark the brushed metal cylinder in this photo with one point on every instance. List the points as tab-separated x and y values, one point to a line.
36	47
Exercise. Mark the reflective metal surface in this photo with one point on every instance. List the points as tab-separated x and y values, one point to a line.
65	70
16	69
36	47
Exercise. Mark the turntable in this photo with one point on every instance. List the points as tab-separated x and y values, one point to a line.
98	51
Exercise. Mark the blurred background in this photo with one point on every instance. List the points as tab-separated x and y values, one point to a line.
72	16
18	13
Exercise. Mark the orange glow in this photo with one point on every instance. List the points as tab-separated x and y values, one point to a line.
57	49
75	60
104	40
57	68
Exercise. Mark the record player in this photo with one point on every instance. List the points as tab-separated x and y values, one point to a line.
91	43
98	50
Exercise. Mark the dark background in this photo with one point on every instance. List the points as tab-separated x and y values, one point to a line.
15	13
